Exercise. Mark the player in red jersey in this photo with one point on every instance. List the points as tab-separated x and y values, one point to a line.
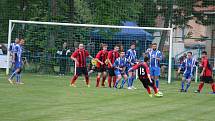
101	57
144	77
112	56
79	56
206	74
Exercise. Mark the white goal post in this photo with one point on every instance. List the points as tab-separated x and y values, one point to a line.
12	23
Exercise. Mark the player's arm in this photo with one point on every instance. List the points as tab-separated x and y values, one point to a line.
116	65
109	58
181	66
98	55
134	67
73	57
148	73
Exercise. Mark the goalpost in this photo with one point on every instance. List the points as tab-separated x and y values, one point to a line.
170	35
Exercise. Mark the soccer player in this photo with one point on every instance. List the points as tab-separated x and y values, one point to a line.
155	58
145	78
120	65
188	64
13	52
79	56
17	62
131	55
206	74
112	56
101	57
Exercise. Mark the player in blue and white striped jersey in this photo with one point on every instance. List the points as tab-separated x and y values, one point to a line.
155	58
18	63
188	64
131	55
120	69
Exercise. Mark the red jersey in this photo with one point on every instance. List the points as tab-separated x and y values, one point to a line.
80	55
143	70
205	64
112	56
102	56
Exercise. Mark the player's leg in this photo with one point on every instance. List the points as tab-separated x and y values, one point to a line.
129	82
110	76
201	84
152	84
98	78
189	78
183	80
104	75
118	78
17	68
87	79
18	77
75	77
132	80
146	86
156	76
125	78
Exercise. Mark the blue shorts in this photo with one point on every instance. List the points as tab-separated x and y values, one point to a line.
118	72
187	75
155	71
17	65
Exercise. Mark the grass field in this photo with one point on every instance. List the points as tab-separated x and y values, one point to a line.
49	98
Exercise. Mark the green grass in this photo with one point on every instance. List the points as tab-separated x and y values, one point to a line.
49	98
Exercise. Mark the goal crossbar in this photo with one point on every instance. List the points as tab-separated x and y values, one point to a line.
89	25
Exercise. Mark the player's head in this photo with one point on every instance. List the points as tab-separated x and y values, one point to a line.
21	41
17	40
204	54
116	48
104	46
64	45
146	59
189	54
133	45
81	46
154	46
122	54
185	54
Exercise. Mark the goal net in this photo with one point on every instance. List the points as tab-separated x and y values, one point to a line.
44	43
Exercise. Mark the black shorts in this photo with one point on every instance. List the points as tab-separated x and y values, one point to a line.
111	72
101	69
146	82
81	70
206	79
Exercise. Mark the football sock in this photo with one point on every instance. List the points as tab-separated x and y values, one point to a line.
157	83
73	79
12	75
87	79
182	85
188	85
201	84
97	81
109	81
103	80
123	83
213	87
148	90
116	84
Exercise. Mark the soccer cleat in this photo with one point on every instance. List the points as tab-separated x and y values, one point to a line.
211	93
129	88
88	85
133	87
181	90
197	91
73	85
150	95
10	81
159	94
